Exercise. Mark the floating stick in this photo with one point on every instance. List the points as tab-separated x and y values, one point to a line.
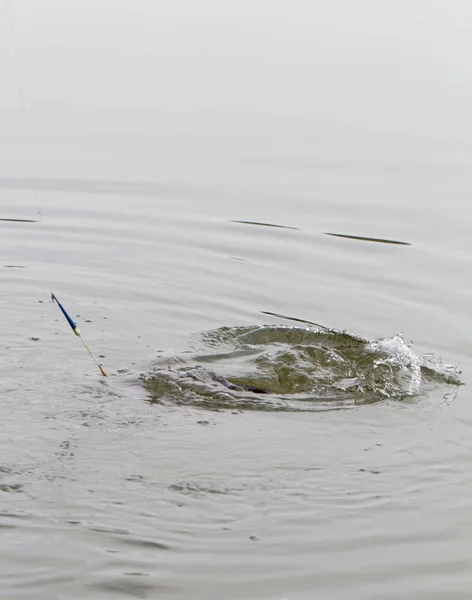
19	220
272	314
368	239
76	330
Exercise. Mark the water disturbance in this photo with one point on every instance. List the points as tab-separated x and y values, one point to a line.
292	369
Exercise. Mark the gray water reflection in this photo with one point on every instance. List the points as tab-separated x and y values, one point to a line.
81	186
139	143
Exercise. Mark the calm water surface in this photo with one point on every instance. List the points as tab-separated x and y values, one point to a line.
139	136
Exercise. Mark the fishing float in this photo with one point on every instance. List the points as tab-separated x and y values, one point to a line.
76	330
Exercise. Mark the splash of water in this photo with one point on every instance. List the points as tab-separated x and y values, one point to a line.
296	369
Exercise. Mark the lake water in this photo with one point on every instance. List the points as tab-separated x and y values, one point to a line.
152	143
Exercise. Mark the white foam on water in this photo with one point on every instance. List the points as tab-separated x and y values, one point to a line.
401	355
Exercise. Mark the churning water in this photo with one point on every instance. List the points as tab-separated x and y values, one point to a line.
294	369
